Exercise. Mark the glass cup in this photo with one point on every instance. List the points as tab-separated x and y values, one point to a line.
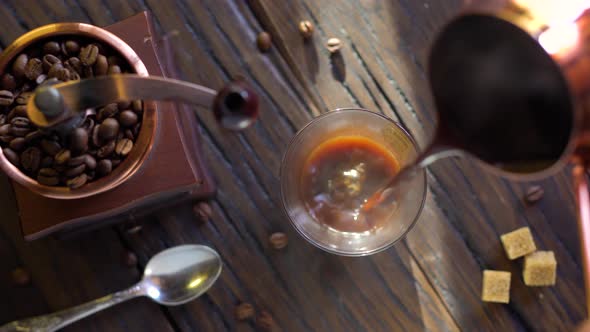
402	212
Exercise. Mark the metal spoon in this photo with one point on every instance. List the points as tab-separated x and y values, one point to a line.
172	277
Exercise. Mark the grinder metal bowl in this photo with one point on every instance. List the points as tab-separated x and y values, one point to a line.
144	142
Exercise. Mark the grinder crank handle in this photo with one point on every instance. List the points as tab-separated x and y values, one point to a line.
235	106
581	188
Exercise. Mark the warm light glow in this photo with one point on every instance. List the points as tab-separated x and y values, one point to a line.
196	282
559	38
555	12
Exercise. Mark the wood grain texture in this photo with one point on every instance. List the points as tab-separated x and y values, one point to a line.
431	281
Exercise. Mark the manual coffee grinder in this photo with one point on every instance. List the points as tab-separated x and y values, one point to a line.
168	140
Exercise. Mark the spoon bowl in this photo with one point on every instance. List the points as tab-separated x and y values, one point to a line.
181	274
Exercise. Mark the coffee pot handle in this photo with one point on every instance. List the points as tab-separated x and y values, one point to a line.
583	202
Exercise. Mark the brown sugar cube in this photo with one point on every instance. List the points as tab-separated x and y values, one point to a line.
496	286
518	243
540	269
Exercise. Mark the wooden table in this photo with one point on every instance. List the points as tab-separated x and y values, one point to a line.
430	281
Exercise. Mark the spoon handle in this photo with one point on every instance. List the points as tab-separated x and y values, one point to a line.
57	320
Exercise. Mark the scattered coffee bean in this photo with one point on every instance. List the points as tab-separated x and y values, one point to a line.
75	161
101	66
55	70
129	134
77	182
104	167
75	171
17	144
6	98
88	55
5	129
30	159
114	69
51	48
33	68
334	45
202	211
106	150
34	135
95	139
62	156
74	65
123	105
264	321
108	130
124	146
18	67
20	126
78	140
90	162
11	156
306	29
6	138
278	240
8	82
50	147
70	48
128	118
21	277
264	41
18	111
48	180
244	311
129	258
534	194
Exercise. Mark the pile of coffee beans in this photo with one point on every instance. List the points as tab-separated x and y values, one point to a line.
84	154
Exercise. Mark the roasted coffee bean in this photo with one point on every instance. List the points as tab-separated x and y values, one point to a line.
108	111
87	72
534	194
88	55
51	48
2	119
53	71
18	67
7	82
104	167
129	134
20	126
6	98
48	172
128	118
137	106
77	182
30	159
49	60
75	171
62	156
6	138
96	141
46	162
124	146
23	99
21	277
106	150
114	69
74	76
78	140
70	48
244	311
33	68
115	60
123	105
11	156
115	162
40	79
90	162
5	129
101	66
278	240
17	144
48	180
74	65
19	111
88	124
108	129
90	175
75	161
50	147
264	41
34	135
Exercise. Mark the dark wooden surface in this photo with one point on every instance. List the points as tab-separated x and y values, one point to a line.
431	281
